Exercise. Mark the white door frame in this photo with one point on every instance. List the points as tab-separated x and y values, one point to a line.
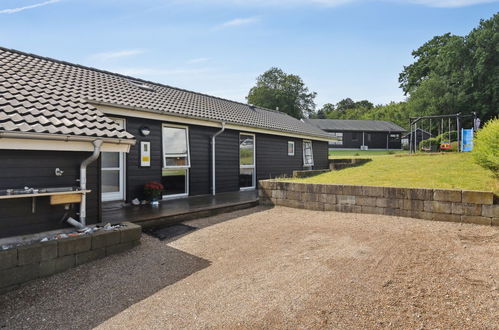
118	195
253	180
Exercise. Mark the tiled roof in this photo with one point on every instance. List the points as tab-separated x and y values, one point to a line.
39	94
355	125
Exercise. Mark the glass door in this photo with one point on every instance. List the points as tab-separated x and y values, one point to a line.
176	161
113	173
247	179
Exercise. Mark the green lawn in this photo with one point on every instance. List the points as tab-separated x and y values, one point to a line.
363	153
451	170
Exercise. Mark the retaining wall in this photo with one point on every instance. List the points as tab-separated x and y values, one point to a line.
27	262
479	207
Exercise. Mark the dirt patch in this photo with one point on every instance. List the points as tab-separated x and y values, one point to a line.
289	268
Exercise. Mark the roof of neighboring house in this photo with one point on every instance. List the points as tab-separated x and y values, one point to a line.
43	95
417	129
355	125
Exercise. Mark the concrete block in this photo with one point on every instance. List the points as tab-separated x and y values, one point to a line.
327	198
278	194
334	189
371	209
35	253
446	217
296	195
329	206
476	220
394	192
471	209
419	193
345	200
373	191
105	238
457	208
122	247
386	202
365	201
91	255
351	190
390	211
316	206
418	214
130	232
445	195
491	211
441	207
309	197
17	275
64	263
495	221
349	208
47	268
8	258
413	204
478	197
73	245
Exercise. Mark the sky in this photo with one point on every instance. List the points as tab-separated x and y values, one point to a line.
340	48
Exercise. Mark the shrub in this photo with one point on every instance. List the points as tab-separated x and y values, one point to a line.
486	146
434	143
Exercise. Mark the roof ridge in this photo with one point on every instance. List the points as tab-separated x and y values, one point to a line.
133	78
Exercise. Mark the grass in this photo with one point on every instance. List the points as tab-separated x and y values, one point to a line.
449	171
363	153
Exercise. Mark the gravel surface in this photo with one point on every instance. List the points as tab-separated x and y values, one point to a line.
280	268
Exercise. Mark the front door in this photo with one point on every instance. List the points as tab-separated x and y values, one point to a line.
113	173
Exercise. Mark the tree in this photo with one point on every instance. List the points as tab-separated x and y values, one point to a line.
287	92
344	105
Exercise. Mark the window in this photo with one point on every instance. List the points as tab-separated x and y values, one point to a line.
176	161
394	137
175	147
368	137
355	137
246	161
308	155
291	148
336	139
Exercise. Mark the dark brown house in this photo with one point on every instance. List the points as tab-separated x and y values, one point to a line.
66	127
360	134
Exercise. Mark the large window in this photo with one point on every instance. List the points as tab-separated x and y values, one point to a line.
336	139
308	154
176	161
246	161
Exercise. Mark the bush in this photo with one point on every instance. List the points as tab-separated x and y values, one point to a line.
486	146
433	142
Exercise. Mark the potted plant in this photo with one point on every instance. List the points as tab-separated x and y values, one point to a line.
153	191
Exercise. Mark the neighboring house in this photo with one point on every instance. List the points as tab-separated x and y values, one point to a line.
51	112
418	133
360	134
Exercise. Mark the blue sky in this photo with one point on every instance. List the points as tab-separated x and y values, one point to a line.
341	48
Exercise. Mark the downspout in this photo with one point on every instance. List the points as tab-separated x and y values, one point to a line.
83	179
213	178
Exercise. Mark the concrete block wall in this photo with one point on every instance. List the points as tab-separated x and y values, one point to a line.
27	262
479	207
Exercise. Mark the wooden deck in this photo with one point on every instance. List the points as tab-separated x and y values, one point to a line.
177	210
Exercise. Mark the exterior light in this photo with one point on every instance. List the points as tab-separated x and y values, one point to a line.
145	131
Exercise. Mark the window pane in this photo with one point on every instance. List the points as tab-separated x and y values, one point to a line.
174	182
176	161
174	140
110	181
246	177
110	159
246	147
291	148
308	156
336	139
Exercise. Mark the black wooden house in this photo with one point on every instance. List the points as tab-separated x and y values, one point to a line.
360	134
54	115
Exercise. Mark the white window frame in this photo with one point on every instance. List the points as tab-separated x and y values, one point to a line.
336	135
186	167
312	152
118	195
253	166
292	153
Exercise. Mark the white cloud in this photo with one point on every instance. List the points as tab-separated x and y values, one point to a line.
198	60
36	5
239	22
116	54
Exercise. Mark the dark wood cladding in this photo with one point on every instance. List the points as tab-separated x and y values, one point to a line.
321	155
374	140
20	168
272	158
227	161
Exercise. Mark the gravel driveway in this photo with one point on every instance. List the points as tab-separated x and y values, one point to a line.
279	268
